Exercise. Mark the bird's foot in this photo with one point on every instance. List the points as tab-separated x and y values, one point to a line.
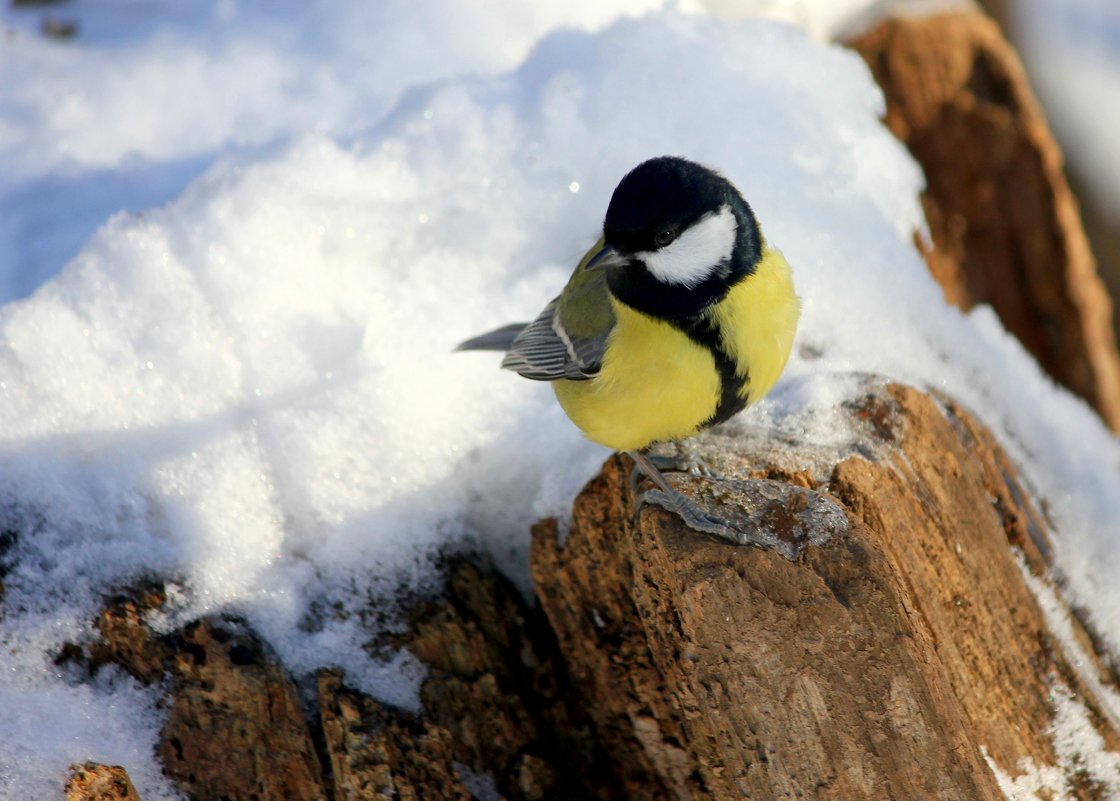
693	466
694	516
760	512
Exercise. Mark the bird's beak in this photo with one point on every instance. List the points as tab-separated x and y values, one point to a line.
605	257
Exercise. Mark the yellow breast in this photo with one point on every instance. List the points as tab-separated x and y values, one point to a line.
656	384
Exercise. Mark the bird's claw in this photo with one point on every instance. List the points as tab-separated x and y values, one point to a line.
693	465
670	464
689	512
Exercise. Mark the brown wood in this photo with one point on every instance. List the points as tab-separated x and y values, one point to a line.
235	730
496	706
95	782
881	663
376	754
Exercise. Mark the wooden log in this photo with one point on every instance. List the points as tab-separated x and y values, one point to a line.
893	659
1099	216
895	649
497	718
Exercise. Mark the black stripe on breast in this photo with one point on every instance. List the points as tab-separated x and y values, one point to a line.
703	331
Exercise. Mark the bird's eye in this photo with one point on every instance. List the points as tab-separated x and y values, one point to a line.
665	236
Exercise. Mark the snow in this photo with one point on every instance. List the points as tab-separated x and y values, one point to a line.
1059	623
1080	751
151	92
243	241
1078	747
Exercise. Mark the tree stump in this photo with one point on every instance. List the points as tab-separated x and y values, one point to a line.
904	657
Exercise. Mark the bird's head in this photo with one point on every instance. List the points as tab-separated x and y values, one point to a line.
677	236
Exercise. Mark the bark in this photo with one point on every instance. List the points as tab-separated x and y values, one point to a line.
1005	226
1103	230
1101	218
236	729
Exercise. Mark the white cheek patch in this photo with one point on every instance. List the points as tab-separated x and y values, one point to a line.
696	253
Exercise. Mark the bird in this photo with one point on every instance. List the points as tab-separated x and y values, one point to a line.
680	316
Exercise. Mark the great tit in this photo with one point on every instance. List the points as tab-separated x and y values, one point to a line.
679	317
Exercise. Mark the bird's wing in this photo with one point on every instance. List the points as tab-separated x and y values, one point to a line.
568	339
546	351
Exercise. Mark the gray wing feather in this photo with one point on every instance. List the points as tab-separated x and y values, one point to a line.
498	339
544	351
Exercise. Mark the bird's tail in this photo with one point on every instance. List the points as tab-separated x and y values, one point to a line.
498	339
